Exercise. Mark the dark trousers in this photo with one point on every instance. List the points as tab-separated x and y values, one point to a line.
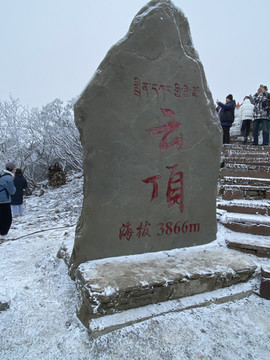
245	128
5	218
226	134
265	129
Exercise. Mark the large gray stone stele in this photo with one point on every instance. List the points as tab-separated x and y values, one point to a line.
151	142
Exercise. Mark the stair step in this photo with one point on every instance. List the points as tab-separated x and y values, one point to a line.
256	247
108	323
247	160
245	181
252	155
230	192
250	224
246	170
240	148
248	208
245	175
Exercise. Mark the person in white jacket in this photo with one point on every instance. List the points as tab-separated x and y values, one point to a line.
246	116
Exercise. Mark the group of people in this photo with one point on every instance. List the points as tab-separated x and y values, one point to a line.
12	186
255	109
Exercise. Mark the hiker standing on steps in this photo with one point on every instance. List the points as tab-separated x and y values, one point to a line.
7	188
261	101
246	116
226	116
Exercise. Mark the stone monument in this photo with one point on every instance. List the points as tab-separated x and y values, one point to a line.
151	142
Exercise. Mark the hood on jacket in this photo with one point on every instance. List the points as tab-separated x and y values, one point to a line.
8	172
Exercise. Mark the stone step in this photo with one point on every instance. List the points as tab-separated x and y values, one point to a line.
249	155
248	224
249	181
246	170
116	284
103	325
256	247
254	208
265	283
246	159
229	149
230	192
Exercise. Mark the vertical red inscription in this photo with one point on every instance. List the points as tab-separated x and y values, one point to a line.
137	86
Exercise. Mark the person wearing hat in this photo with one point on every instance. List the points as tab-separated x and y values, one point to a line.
261	102
7	188
226	116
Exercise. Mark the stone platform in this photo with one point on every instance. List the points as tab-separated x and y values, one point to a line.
113	285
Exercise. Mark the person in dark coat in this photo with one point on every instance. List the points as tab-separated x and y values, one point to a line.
226	116
7	188
56	175
20	183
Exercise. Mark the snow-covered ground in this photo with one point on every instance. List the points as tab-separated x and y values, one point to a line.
41	322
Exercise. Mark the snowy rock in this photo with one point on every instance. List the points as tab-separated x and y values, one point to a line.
151	141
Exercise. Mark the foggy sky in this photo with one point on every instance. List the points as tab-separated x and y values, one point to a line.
50	49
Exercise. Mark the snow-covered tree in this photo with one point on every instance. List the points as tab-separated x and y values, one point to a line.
34	139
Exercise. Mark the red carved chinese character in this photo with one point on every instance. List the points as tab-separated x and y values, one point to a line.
153	180
166	131
143	230
175	189
137	86
126	231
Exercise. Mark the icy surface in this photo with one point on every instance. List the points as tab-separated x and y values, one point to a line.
41	322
